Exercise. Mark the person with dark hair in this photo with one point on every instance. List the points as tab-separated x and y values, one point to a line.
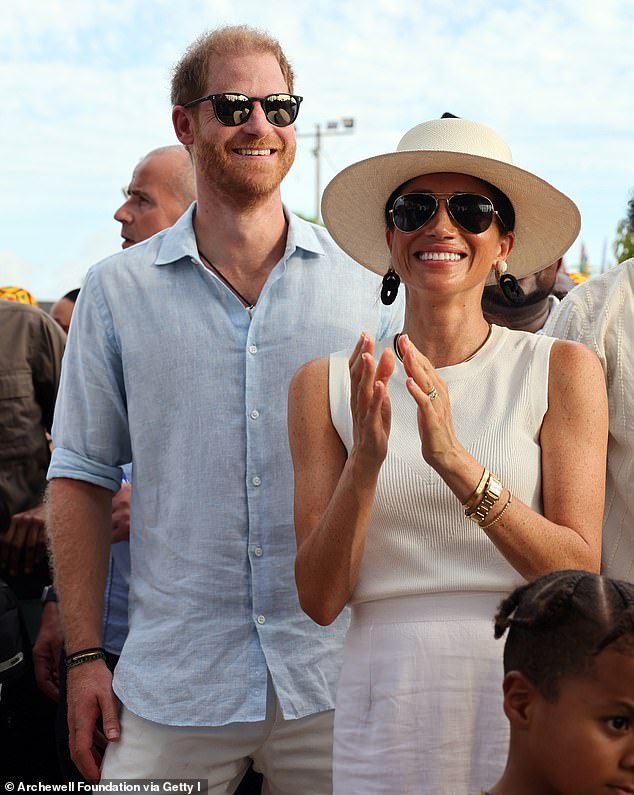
221	667
62	310
527	308
568	686
395	445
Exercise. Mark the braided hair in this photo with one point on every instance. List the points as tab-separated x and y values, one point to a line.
559	623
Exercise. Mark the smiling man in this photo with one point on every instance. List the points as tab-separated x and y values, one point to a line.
180	356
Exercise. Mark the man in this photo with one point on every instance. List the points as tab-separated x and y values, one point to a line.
540	294
161	189
221	665
600	313
31	348
63	308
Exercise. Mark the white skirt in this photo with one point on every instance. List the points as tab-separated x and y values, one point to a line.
419	702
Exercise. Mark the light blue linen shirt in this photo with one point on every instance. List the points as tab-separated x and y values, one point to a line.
166	368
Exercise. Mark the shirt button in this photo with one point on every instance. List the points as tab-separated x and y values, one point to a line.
254	414
257	480
261	620
258	552
253	348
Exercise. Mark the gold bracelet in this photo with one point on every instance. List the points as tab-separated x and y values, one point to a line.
474	499
500	515
492	493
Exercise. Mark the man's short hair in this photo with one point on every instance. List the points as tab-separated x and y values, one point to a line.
630	215
189	78
181	181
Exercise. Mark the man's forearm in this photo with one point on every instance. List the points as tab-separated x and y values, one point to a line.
79	527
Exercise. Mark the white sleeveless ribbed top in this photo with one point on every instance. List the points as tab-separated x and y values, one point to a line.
418	539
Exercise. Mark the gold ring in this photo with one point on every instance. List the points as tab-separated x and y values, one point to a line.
433	394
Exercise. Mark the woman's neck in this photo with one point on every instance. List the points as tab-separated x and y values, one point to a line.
445	332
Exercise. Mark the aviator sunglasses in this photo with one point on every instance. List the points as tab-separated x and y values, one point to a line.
470	211
233	109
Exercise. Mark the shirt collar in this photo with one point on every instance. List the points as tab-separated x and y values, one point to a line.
179	241
301	234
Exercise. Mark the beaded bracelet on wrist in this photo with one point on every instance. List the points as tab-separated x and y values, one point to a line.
499	516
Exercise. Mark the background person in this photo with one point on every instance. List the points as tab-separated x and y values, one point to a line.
31	349
600	314
62	309
528	308
397	510
568	686
220	666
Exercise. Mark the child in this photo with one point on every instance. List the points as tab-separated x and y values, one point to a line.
569	686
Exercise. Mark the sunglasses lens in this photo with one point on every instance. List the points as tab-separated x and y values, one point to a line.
472	212
281	109
232	109
411	212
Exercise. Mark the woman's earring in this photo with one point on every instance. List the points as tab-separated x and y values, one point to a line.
389	290
512	289
502	267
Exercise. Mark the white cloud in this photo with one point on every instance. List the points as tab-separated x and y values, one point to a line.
85	95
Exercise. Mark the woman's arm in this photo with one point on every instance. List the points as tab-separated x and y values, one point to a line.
573	439
334	493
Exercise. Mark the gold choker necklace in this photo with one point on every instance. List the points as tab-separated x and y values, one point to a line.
477	350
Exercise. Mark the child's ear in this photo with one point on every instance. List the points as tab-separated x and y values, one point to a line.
520	695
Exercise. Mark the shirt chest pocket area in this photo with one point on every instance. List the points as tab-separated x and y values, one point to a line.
16	400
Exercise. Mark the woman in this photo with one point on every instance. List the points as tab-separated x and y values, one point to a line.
397	510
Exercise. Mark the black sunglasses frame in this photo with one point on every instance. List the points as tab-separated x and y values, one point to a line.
447	197
249	105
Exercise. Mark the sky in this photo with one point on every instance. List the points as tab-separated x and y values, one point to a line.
85	94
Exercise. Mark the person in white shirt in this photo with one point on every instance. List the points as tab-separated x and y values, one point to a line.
397	511
600	313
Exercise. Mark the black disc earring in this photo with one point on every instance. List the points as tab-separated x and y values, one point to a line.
389	289
512	289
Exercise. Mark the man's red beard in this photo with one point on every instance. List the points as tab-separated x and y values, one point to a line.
243	179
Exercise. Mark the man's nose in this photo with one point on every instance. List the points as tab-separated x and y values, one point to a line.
124	214
257	123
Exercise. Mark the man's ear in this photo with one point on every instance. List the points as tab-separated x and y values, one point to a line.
183	125
520	695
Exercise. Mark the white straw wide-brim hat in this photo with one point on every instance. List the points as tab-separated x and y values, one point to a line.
353	206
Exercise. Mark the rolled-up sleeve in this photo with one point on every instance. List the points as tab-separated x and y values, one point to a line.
90	428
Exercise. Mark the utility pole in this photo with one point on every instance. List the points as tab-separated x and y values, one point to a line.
332	128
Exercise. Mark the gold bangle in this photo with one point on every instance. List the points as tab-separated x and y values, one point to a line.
500	515
480	489
492	493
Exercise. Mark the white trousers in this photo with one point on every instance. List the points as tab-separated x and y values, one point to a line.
419	703
294	756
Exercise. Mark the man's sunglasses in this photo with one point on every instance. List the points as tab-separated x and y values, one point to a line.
470	211
233	109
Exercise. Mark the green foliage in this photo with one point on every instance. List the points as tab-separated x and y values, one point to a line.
624	242
308	218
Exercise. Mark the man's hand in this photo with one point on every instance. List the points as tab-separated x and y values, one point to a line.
24	543
47	650
121	514
90	696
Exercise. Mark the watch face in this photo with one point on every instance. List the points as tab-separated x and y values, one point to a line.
496	488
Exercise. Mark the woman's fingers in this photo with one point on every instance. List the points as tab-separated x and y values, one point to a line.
385	367
416	365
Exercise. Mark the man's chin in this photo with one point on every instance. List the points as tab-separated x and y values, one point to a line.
127	243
